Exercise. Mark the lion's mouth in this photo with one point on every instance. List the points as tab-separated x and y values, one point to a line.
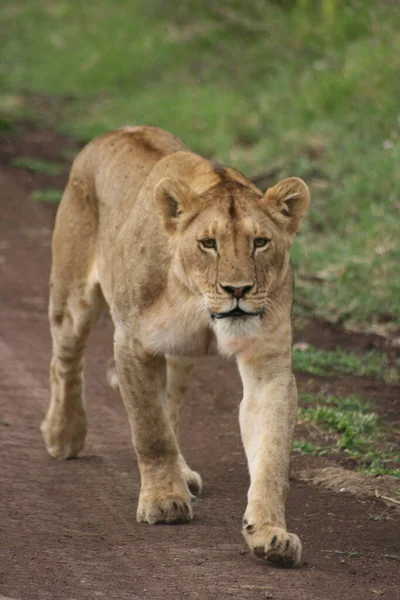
234	313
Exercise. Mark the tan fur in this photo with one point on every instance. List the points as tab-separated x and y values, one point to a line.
170	242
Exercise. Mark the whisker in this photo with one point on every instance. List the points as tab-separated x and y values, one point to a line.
272	305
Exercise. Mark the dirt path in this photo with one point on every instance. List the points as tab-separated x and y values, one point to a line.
68	529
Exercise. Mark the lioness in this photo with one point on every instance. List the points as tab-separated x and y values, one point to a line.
187	254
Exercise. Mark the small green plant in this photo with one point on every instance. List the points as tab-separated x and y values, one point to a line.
355	430
6	125
350	553
331	362
38	165
383	516
392	556
51	195
303	447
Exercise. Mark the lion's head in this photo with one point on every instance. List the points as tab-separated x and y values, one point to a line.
231	243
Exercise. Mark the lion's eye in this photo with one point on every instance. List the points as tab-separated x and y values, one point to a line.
260	242
209	243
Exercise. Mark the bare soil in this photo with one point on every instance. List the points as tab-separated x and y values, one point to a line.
68	529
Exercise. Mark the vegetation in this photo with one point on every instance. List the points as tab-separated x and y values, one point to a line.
353	428
37	165
333	362
47	195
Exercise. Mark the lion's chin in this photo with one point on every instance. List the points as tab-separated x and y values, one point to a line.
236	333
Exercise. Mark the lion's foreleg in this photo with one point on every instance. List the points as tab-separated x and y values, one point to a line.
179	370
164	495
267	419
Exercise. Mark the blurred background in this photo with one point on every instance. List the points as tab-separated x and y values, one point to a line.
273	88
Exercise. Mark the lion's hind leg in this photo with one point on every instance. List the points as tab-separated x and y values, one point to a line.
76	301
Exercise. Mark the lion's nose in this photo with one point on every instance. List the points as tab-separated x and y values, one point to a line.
237	292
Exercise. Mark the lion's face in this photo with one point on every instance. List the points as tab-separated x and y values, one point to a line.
232	243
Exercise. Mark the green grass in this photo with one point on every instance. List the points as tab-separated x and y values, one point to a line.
51	195
392	556
350	554
304	447
334	362
6	125
37	165
355	429
310	87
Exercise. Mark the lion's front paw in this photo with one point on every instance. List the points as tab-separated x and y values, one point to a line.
273	543
64	437
172	508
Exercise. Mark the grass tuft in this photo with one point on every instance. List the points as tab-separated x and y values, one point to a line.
37	165
303	447
51	195
7	125
332	362
355	429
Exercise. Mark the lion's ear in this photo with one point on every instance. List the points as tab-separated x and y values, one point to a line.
288	201
172	197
